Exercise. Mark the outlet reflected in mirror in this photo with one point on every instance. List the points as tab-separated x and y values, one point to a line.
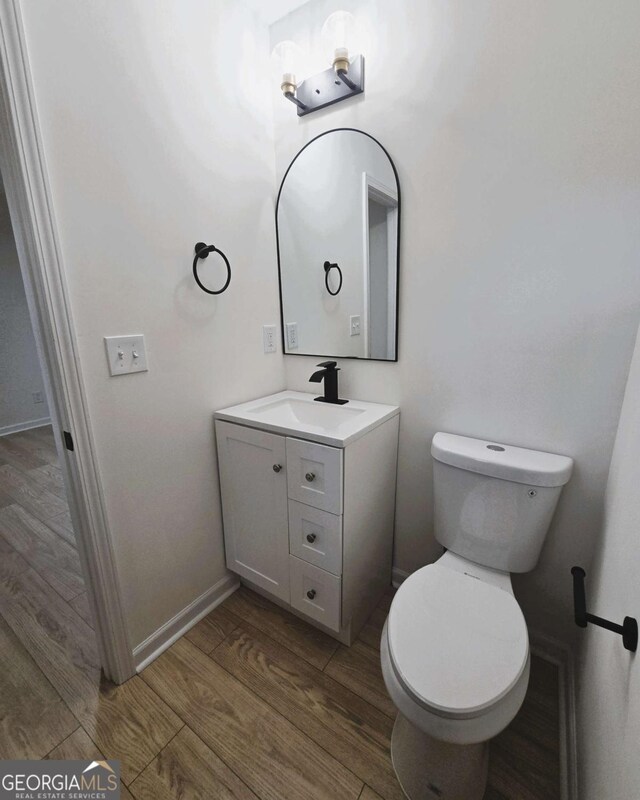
338	227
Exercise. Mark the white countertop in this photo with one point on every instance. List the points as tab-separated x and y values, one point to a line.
298	414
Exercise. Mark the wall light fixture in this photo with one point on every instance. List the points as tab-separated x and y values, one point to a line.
344	78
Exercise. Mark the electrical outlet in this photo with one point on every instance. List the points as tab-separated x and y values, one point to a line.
38	397
292	335
269	338
354	325
126	354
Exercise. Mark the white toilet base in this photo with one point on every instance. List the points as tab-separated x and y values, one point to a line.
428	769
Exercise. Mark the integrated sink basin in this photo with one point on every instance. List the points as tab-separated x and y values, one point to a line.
298	414
291	411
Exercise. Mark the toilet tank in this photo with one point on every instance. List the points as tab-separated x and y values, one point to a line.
494	502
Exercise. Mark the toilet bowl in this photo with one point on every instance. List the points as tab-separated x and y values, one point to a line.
455	647
455	661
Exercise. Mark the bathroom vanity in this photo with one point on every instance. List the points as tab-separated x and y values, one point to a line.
308	499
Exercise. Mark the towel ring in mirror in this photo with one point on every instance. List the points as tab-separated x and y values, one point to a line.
327	269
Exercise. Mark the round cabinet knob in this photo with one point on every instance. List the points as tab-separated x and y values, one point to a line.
310	476
277	467
311	537
311	594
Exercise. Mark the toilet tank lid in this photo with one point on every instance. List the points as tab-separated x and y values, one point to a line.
502	460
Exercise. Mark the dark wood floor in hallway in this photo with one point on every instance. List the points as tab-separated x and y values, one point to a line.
251	703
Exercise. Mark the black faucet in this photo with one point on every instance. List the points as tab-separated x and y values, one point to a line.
328	373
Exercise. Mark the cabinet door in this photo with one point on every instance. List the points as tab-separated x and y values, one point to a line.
253	481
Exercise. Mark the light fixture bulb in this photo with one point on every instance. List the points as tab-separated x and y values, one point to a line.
339	38
288	60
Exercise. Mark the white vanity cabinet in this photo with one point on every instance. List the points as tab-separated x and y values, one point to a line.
308	524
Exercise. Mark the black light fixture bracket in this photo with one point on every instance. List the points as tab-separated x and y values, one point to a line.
291	96
328	87
629	628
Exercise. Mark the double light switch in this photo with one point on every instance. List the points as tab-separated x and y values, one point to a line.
126	354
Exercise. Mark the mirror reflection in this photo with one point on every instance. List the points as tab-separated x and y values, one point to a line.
337	222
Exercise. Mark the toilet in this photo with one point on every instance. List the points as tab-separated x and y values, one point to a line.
455	648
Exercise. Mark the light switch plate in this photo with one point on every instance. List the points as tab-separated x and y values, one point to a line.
269	338
126	354
354	324
292	335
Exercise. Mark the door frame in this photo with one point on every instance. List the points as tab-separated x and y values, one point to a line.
388	197
28	193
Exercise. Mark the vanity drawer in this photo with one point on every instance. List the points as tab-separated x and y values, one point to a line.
315	536
315	592
314	475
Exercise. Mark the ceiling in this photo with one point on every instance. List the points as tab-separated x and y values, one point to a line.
271	10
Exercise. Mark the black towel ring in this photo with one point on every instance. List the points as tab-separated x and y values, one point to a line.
202	251
327	269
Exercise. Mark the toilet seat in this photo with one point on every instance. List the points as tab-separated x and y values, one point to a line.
457	644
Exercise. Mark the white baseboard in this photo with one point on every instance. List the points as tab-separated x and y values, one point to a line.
561	654
6	430
171	631
398	576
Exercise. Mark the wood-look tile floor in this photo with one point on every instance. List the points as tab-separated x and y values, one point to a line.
251	703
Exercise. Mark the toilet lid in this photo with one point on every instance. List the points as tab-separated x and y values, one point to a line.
457	644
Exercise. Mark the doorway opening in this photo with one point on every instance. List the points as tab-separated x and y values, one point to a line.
380	232
38	544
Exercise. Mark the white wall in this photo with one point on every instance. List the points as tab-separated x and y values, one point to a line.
20	373
156	123
609	675
513	126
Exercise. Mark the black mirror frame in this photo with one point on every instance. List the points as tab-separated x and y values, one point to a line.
284	178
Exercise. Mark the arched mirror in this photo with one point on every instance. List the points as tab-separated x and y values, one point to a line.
338	230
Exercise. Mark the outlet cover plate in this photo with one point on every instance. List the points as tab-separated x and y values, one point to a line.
292	335
269	338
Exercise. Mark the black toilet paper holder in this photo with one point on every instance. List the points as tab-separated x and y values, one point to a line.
629	628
